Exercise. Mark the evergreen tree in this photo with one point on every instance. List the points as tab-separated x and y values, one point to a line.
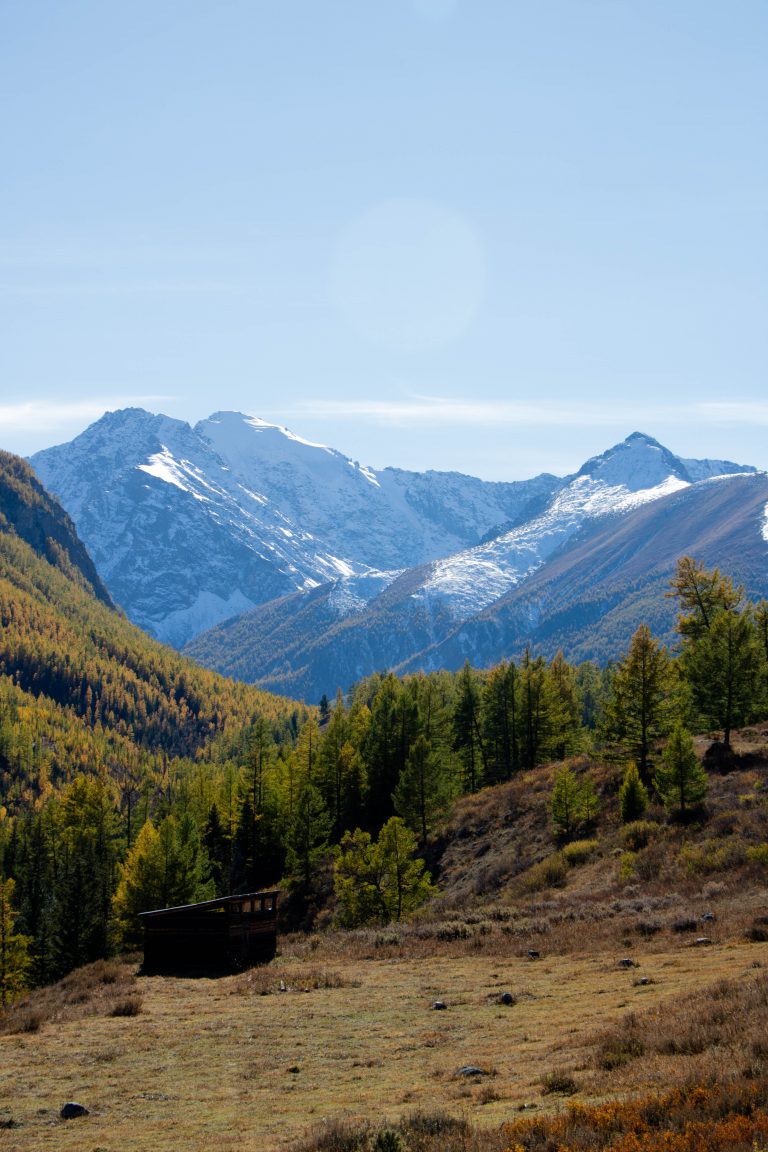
564	708
340	774
382	752
166	867
379	881
32	865
723	666
86	874
15	961
701	595
308	834
633	795
721	657
573	803
534	717
680	779
218	846
423	792
761	628
500	722
467	733
640	707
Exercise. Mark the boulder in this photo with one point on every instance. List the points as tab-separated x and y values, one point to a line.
72	1110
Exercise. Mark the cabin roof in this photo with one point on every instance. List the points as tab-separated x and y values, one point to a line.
219	902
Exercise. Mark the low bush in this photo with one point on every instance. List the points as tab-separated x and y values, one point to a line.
639	833
551	872
559	1081
715	855
758	854
579	851
130	1006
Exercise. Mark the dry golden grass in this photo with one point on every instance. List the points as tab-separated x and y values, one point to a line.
340	1032
238	1063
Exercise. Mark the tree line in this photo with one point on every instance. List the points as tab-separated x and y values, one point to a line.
371	774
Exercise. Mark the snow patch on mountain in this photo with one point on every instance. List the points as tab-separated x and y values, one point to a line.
206	611
765	523
470	581
352	595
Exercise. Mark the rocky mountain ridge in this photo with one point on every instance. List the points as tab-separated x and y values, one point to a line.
284	562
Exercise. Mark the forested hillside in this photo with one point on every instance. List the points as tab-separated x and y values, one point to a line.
130	778
101	728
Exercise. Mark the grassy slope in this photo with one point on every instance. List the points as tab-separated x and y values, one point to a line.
355	1035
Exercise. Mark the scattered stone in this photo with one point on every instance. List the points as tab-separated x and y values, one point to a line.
72	1110
533	954
439	1006
644	980
626	963
471	1070
702	940
506	998
708	916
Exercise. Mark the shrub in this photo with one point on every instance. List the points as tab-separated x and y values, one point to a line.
617	1051
25	1020
559	1080
130	1006
579	851
716	855
551	872
684	924
639	833
388	1140
758	854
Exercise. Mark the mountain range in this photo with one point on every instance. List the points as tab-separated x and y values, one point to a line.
286	563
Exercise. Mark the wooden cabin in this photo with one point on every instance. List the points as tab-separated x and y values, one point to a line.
223	935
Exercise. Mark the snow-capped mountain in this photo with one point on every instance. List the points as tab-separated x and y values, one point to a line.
283	561
190	526
424	617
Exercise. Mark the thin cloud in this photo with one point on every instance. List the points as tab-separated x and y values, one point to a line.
457	413
46	415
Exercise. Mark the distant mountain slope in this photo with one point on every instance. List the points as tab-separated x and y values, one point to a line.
591	597
27	511
93	692
189	527
634	501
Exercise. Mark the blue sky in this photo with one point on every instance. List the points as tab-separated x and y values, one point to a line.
491	236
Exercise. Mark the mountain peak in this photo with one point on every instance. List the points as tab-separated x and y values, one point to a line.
236	432
637	462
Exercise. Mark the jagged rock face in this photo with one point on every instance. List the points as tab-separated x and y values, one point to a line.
191	526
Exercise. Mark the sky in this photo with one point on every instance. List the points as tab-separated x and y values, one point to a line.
490	236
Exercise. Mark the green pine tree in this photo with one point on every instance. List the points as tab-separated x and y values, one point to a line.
423	792
573	803
380	881
680	779
15	960
642	700
633	795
